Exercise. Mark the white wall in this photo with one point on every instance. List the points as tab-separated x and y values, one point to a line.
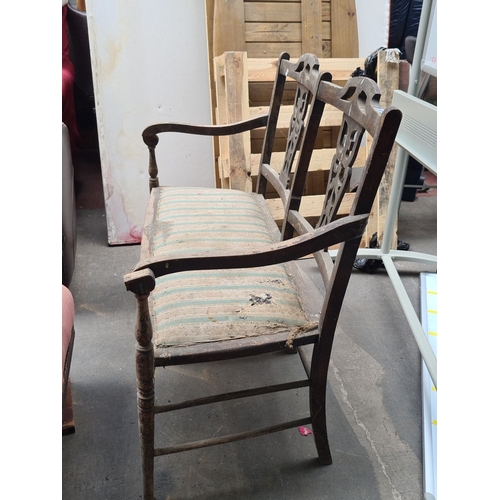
373	25
149	65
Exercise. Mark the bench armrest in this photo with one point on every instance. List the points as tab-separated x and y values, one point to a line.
336	232
150	134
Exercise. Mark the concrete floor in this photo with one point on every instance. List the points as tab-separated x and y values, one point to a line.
374	405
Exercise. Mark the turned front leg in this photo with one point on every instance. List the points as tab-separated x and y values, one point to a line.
144	362
142	286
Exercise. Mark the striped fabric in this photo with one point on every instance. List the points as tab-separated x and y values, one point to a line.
209	306
198	220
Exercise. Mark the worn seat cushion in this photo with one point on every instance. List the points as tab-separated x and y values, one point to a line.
193	221
209	306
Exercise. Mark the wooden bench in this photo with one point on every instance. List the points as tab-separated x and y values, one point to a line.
218	280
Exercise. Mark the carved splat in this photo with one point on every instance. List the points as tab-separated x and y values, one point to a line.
302	98
307	70
340	172
361	102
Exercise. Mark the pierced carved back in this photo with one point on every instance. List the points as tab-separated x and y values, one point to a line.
359	100
306	73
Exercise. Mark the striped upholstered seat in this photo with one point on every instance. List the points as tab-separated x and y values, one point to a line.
199	220
213	305
208	306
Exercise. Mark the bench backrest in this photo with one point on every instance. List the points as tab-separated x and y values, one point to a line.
359	102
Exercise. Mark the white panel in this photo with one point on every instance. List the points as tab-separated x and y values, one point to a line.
417	133
429	62
149	65
373	25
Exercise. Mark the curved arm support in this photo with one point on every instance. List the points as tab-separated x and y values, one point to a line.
336	232
150	134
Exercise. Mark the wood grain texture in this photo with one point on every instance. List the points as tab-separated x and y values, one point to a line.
388	81
344	25
311	26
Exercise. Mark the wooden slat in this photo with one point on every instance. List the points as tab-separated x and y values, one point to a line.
273	32
230	438
272	12
332	117
326	35
341	68
285	33
274	49
264	69
320	161
388	81
221	144
232	95
311	26
310	206
229	26
344	24
259	93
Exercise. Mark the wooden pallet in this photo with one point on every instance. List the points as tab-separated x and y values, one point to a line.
242	85
265	29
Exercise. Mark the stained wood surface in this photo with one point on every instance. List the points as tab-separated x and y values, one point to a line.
310	207
263	69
